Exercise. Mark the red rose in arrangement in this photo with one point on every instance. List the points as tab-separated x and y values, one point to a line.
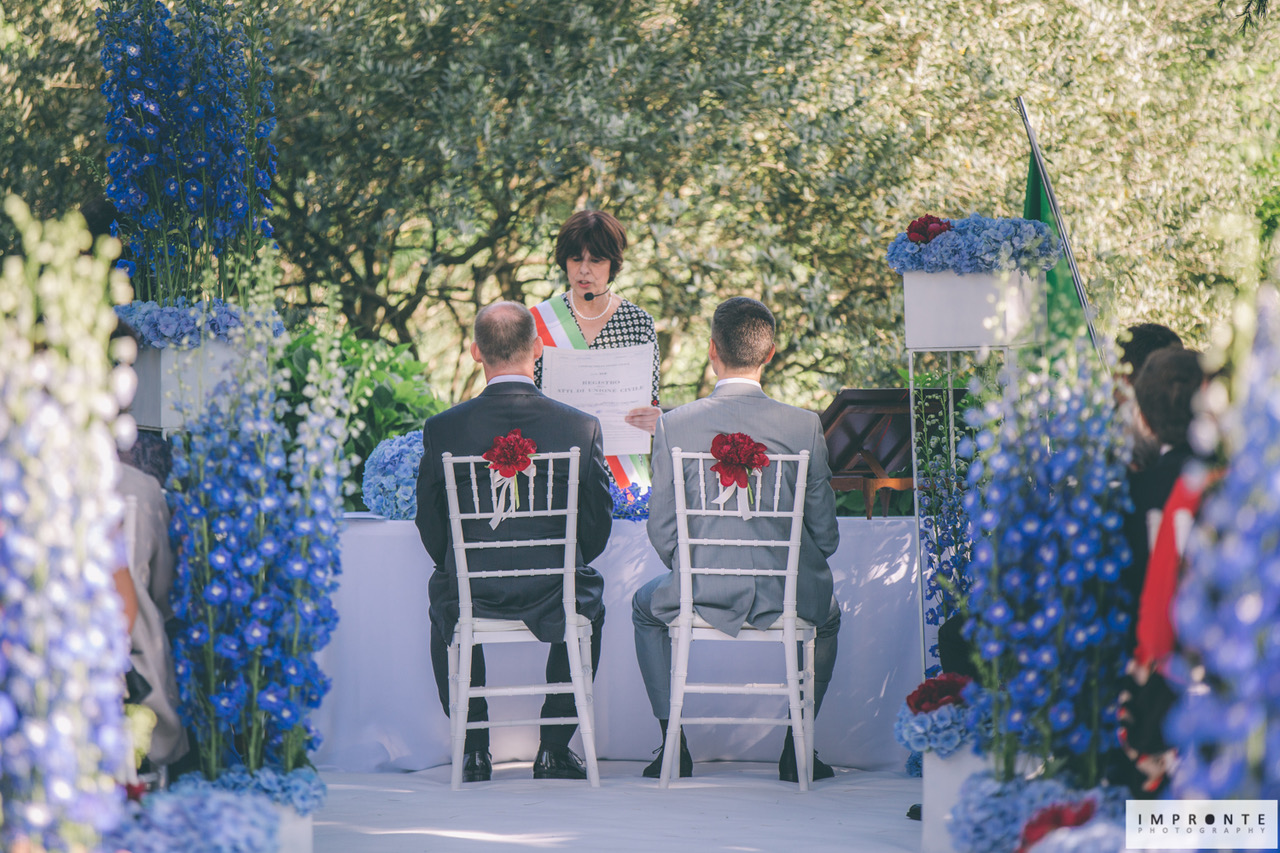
926	228
1055	817
510	454
737	455
936	692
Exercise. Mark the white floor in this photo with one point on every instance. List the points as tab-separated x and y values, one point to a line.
727	806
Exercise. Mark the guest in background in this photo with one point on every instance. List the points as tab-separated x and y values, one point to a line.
1165	389
152	568
591	316
150	454
1136	344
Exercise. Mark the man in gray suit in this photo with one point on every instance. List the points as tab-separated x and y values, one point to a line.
741	345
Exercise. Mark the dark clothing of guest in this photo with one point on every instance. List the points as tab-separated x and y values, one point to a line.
469	429
1148	489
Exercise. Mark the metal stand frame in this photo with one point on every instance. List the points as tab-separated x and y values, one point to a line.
915	465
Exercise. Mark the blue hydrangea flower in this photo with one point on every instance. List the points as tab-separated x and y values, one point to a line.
391	476
978	244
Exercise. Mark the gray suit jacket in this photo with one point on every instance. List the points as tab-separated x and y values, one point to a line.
729	602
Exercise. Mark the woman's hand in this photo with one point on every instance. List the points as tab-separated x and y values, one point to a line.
645	418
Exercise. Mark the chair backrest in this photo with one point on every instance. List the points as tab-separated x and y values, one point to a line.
539	537
776	521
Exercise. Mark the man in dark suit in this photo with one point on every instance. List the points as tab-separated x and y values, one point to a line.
742	333
507	346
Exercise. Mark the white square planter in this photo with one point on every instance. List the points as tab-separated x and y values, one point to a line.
946	310
943	778
168	375
295	831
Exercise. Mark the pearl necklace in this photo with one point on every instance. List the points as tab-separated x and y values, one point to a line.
608	303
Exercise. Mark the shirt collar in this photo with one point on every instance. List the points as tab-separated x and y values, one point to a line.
510	377
739	380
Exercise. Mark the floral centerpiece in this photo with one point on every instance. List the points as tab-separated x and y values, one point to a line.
1011	817
63	642
975	244
973	282
934	717
188	91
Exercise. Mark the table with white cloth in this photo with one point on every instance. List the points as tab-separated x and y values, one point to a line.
382	711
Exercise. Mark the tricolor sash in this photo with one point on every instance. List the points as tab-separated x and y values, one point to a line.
557	328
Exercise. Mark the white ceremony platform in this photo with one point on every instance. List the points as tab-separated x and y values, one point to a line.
385	752
382	712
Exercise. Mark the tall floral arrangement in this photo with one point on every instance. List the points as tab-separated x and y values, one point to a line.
188	92
1046	614
63	642
256	510
1227	726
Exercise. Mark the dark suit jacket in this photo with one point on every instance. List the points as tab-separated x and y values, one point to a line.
468	429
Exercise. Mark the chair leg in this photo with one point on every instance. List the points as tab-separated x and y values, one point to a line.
797	715
459	702
580	675
679	675
810	684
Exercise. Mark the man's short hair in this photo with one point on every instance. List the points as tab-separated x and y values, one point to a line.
505	333
596	231
742	329
1165	387
1144	339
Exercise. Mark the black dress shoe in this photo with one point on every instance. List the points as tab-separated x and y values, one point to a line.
558	763
476	767
914	813
787	764
654	770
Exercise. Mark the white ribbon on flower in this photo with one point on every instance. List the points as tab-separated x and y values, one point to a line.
508	495
744	498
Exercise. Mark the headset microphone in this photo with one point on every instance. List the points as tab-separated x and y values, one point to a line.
591	296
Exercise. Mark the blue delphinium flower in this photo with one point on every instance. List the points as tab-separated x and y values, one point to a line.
1045	604
631	503
391	476
188	93
256	518
979	244
1227	726
63	643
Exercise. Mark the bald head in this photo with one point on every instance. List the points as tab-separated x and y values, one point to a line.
506	338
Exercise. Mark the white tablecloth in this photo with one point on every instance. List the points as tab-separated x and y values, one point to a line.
382	712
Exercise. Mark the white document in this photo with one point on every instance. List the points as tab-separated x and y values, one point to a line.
606	383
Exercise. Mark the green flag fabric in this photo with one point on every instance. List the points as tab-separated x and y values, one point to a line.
1066	313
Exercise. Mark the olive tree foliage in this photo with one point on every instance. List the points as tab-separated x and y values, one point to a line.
429	153
51	113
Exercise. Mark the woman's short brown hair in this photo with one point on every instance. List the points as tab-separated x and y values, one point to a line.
597	232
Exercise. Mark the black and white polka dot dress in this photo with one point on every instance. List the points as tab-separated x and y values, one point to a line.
629	326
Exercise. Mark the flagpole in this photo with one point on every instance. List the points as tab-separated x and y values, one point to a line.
1062	228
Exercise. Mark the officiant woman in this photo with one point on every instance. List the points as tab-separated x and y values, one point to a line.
590	315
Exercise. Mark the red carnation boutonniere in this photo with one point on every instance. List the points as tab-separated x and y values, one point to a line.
926	228
509	456
737	456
